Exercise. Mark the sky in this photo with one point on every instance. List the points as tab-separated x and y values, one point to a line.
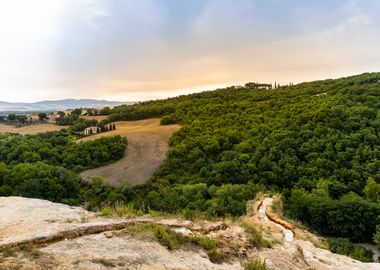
132	50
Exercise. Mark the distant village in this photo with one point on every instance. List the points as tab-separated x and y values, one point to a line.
36	117
25	118
67	117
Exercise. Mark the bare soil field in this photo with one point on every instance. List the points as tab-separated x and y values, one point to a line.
96	117
29	129
148	143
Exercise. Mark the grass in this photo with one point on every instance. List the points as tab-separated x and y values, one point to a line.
8	252
106	211
278	206
28	250
104	262
120	210
255	264
255	236
172	240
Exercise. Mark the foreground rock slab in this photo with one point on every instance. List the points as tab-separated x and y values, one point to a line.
38	234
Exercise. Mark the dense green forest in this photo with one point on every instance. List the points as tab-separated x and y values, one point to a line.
317	143
44	165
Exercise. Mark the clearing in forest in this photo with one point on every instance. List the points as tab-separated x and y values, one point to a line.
29	129
148	143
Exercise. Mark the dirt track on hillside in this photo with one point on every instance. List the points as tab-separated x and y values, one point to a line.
95	117
30	129
147	147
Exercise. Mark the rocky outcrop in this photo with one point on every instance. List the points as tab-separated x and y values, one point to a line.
37	234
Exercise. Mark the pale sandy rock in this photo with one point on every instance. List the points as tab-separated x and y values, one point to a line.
99	246
23	218
128	253
108	234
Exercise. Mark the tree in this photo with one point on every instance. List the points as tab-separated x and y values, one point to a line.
12	117
21	118
77	112
376	236
42	116
90	111
372	190
105	111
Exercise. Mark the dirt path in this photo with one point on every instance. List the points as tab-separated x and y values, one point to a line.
95	117
300	249
30	129
147	147
266	216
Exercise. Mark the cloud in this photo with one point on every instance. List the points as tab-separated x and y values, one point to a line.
156	48
96	15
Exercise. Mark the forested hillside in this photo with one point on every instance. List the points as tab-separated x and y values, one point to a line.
43	166
317	143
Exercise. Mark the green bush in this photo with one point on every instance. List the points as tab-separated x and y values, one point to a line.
256	264
167	238
344	247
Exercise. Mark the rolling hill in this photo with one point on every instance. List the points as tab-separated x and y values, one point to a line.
55	105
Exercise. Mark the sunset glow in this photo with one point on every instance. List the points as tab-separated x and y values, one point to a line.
139	50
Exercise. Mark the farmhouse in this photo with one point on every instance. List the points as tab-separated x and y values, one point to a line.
90	130
258	85
34	117
52	117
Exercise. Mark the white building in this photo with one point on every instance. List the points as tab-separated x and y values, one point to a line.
90	130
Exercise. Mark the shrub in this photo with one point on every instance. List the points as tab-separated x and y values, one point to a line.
256	264
255	236
120	210
173	240
106	211
167	238
343	246
215	255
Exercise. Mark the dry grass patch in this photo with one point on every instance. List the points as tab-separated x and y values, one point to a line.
30	129
148	143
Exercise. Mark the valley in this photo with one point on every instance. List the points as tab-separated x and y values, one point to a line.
148	143
189	135
206	158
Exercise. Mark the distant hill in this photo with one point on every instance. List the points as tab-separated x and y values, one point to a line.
56	105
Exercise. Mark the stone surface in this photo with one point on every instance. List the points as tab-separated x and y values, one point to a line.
94	242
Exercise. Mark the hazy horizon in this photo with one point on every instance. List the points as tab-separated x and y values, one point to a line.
184	91
148	49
